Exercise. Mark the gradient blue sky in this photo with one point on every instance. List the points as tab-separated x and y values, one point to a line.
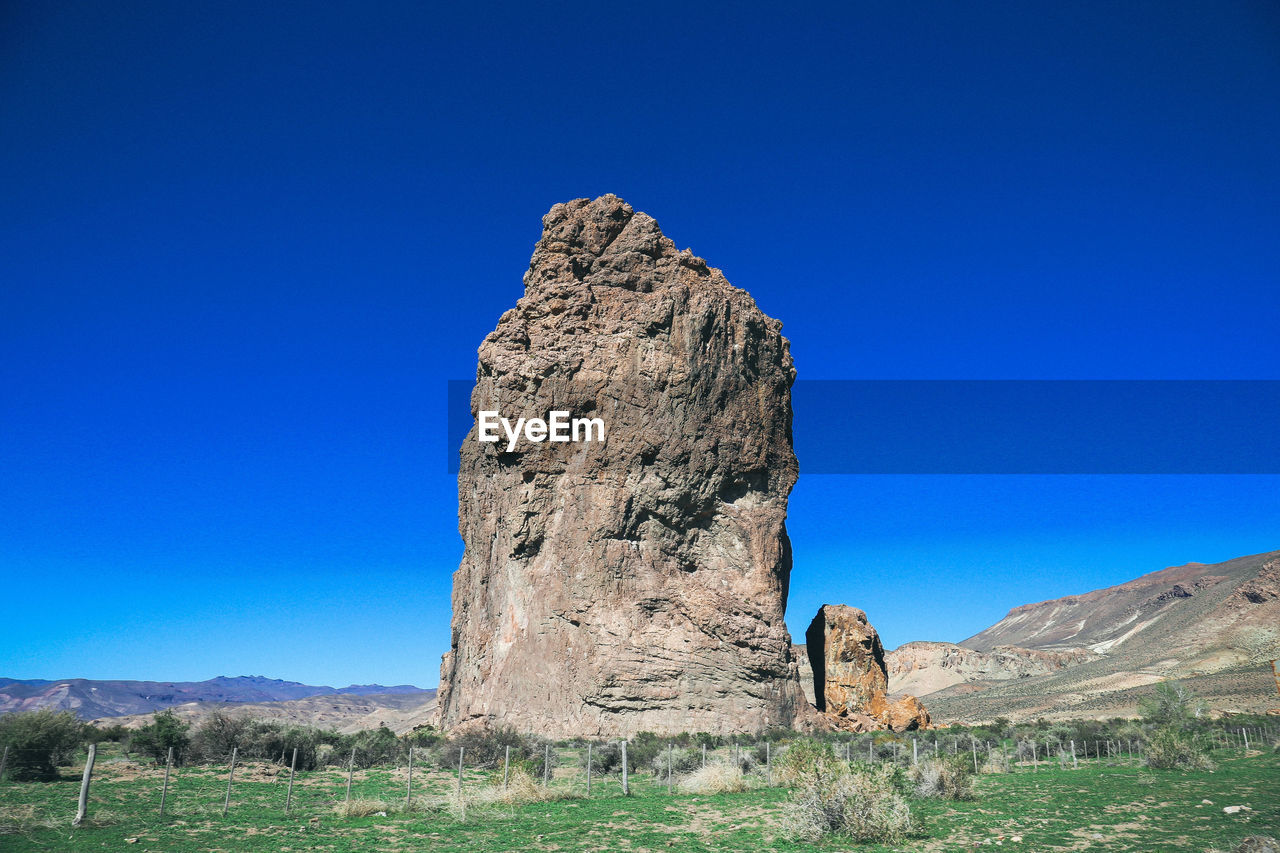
245	244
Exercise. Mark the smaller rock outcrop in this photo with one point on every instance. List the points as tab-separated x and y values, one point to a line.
850	682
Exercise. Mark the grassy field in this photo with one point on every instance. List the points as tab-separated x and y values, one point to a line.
1099	807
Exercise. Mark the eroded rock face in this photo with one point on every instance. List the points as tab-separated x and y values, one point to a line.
850	683
637	583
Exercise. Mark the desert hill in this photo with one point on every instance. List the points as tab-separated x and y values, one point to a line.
92	699
1097	653
343	712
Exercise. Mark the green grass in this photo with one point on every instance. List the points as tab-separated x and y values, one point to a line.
1098	807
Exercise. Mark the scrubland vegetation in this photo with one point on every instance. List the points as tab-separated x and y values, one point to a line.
1157	783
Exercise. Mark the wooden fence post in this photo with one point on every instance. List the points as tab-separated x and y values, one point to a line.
671	757
164	792
351	770
973	747
768	763
626	789
4	761
506	768
461	751
226	804
293	767
915	751
1075	765
704	754
408	796
84	785
546	764
588	769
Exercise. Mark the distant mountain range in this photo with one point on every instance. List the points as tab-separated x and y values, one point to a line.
91	699
349	712
1097	654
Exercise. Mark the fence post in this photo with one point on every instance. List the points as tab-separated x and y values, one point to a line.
671	757
626	790
164	792
293	767
461	751
351	770
871	747
1075	765
231	774
1035	760
588	769
973	747
915	751
704	754
546	764
768	763
4	760
84	785
1245	735
408	796
506	768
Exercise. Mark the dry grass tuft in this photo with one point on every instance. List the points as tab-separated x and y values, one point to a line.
715	778
488	800
360	808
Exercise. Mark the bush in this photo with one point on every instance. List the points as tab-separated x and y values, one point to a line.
1171	703
605	757
1174	748
946	777
486	749
371	747
682	761
862	803
808	762
219	733
716	778
165	731
40	742
643	749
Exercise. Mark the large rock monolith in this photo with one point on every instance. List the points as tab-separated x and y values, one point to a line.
638	583
850	682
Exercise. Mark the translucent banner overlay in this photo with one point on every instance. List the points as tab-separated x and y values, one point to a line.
1014	426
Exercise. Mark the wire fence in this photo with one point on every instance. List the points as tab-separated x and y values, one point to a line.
431	778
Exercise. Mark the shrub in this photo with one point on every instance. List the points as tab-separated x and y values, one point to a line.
643	749
681	761
716	778
1171	703
605	757
807	763
219	733
487	749
370	747
40	742
1173	748
165	731
862	803
946	777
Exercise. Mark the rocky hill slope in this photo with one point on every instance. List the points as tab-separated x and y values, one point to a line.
348	712
1098	653
92	699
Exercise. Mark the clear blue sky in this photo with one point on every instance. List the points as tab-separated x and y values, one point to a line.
245	244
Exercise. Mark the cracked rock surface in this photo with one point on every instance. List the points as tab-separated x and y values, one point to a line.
638	583
850	682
